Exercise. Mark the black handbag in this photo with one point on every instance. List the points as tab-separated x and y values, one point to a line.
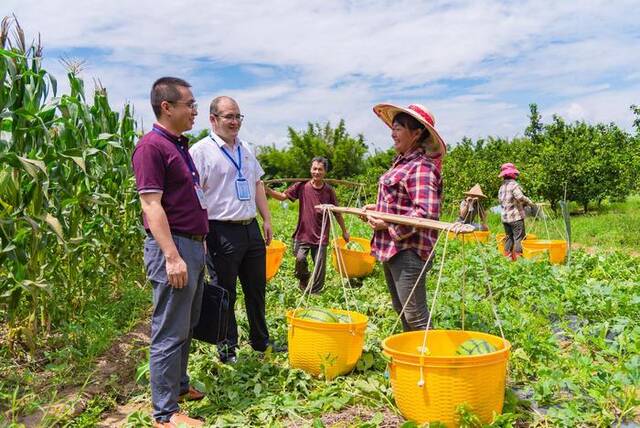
214	315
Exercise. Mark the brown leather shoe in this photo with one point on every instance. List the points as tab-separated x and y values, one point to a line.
178	420
191	395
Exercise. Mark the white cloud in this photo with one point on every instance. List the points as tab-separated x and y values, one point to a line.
476	64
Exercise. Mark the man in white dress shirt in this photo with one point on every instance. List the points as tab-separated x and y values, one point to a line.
230	178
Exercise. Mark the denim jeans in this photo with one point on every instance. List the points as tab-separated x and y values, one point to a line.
175	312
402	272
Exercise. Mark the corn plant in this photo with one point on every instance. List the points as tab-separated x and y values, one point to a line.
68	212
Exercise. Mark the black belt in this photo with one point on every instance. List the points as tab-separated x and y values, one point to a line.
199	238
242	222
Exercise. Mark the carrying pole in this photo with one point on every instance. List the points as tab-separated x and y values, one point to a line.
298	180
422	223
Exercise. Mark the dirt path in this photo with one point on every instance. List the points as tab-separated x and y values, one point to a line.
114	375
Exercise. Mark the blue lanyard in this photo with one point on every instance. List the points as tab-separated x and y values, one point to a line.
183	153
238	164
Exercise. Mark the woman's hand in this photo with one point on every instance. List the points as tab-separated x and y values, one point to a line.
365	217
457	227
377	224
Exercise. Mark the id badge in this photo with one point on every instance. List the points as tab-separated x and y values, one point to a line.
242	189
200	195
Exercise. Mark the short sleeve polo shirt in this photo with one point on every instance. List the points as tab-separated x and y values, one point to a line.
160	165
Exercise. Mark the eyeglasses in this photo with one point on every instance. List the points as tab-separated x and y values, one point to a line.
230	117
190	104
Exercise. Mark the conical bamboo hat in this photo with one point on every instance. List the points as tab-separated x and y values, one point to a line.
475	191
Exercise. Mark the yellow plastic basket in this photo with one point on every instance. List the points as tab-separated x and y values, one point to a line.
328	349
534	254
501	237
356	263
449	380
275	254
473	237
557	248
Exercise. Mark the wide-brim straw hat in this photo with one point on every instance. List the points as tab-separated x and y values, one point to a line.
475	191
435	143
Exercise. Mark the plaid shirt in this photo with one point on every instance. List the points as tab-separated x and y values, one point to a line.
512	201
412	187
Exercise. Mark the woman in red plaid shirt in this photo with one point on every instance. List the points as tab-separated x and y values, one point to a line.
411	187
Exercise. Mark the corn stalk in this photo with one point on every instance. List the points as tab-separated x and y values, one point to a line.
68	211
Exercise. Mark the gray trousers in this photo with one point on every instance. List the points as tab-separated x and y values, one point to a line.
515	234
175	312
402	272
301	250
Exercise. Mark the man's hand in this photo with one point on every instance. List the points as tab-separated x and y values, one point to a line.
345	236
377	224
268	232
176	271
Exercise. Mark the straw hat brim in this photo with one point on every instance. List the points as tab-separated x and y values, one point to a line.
386	112
473	193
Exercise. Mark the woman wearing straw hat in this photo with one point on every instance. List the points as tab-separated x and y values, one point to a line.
513	202
471	209
413	187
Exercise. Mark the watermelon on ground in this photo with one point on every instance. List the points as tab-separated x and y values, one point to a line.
475	347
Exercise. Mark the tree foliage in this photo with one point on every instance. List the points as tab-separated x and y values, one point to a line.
581	162
578	161
345	153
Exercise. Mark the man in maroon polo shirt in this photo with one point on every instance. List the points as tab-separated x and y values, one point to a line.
175	218
306	237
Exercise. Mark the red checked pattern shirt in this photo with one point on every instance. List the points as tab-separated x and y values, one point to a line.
512	201
412	187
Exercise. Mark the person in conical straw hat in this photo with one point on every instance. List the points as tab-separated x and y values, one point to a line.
471	209
513	201
412	186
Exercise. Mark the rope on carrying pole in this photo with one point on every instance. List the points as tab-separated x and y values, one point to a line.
342	267
415	285
488	282
307	290
464	283
341	264
423	348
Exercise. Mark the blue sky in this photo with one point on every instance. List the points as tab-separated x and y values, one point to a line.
475	64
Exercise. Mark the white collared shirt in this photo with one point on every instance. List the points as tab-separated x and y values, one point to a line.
218	178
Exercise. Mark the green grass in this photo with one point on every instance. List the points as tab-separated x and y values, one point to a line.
614	226
66	356
575	359
574	333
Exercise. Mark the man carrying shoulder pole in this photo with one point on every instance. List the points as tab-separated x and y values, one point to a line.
306	237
